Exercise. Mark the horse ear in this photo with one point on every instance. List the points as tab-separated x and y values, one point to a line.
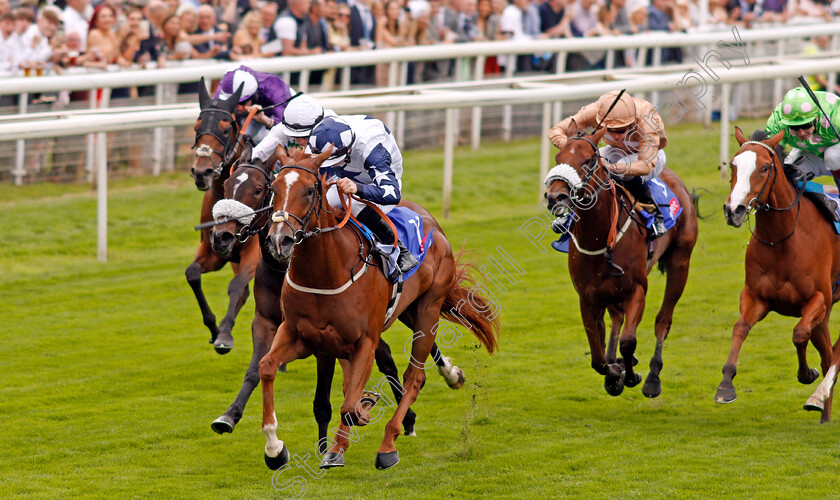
203	95
776	139
596	136
234	99
739	136
321	158
268	165
573	128
280	154
247	149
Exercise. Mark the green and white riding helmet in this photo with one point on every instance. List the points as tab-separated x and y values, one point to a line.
798	108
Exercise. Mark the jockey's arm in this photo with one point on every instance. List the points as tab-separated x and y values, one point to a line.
648	150
385	189
583	118
274	138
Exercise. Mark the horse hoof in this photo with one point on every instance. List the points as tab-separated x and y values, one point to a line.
813	374
223	424
456	378
621	361
332	459
814	404
616	388
725	395
652	387
633	381
280	460
223	343
282	368
387	460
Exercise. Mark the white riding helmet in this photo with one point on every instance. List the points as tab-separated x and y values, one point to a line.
301	115
248	82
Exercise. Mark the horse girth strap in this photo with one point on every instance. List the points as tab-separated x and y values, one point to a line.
327	291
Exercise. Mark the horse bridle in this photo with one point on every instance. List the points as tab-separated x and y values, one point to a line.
210	119
762	207
248	230
592	164
282	216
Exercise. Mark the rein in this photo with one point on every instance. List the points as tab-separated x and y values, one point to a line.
766	207
615	235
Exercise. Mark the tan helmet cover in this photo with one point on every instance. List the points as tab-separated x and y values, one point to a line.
622	115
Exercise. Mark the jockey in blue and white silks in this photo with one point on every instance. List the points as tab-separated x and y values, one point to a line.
302	113
368	163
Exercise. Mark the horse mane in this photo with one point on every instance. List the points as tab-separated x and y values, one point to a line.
792	172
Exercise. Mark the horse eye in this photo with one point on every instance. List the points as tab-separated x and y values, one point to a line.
765	168
309	192
259	190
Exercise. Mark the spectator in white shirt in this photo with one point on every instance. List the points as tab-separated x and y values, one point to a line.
9	42
77	16
291	28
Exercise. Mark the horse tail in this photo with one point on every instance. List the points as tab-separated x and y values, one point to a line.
465	305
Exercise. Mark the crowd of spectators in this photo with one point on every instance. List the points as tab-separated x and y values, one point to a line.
38	35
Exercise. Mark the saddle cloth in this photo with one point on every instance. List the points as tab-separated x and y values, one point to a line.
409	226
828	204
668	203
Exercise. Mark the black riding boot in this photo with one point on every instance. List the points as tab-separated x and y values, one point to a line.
382	230
641	191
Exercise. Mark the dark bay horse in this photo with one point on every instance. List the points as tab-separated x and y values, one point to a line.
784	271
605	231
247	201
217	146
335	305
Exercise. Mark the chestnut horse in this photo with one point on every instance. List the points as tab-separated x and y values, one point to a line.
783	273
606	234
217	146
247	201
335	305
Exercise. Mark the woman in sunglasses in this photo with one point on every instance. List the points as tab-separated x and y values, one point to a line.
635	139
816	149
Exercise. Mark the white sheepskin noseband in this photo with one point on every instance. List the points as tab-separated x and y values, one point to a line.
564	172
232	209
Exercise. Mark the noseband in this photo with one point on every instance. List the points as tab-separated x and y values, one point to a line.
248	230
314	209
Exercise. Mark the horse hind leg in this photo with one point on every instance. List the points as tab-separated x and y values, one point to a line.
321	407
453	375
676	268
385	364
820	400
634	309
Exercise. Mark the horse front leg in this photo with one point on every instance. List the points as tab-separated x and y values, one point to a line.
205	261
593	324
282	351
616	321
634	309
752	311
321	406
238	294
813	314
262	333
355	411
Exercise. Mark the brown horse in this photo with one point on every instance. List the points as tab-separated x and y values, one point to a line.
783	273
605	236
245	213
335	305
217	146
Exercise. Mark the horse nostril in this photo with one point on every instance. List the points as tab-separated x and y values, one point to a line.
226	237
286	243
740	210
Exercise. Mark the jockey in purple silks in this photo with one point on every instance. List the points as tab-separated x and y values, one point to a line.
259	90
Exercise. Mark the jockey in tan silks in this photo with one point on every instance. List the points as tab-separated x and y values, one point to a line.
635	139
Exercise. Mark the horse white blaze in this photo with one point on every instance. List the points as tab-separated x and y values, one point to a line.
744	168
290	179
824	388
273	446
242	178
